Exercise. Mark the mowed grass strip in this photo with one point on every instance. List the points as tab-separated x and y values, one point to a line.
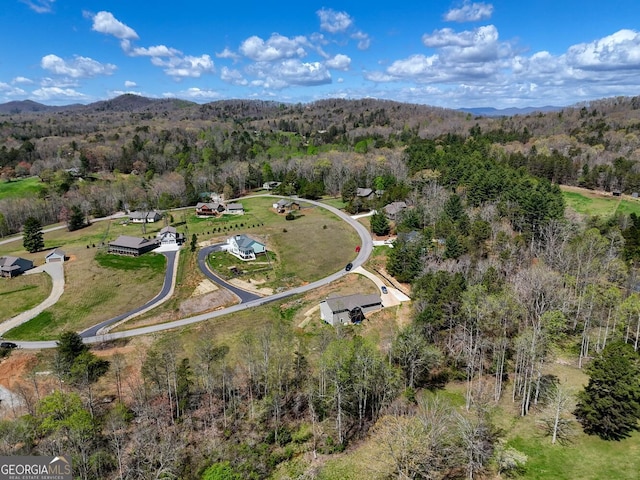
23	293
94	293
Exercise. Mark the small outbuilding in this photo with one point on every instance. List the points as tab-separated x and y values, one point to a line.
348	309
55	256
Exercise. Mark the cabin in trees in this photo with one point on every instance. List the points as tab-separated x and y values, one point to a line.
209	209
170	236
244	247
365	193
13	266
55	256
393	210
132	246
139	216
283	205
348	309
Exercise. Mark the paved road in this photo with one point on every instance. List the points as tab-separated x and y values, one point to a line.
243	295
60	227
366	247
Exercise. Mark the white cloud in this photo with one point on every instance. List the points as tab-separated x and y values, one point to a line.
295	72
469	12
40	6
413	66
276	48
364	41
332	21
154	51
618	51
105	22
289	72
11	91
130	84
79	67
233	77
23	80
187	66
226	53
339	62
194	94
54	93
479	45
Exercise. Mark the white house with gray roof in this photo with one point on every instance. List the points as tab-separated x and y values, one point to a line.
245	248
150	216
349	309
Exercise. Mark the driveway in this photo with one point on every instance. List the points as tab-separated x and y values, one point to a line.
393	296
164	295
56	271
96	335
243	295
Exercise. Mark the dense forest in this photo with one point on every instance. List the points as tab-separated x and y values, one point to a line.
502	283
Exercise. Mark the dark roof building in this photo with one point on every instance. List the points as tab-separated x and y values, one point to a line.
12	266
133	246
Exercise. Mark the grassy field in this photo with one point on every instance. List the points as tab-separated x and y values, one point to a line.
100	286
22	293
26	187
588	202
94	293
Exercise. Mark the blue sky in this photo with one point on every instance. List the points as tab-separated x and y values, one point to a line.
448	54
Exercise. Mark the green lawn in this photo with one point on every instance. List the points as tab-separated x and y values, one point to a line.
26	187
587	458
595	205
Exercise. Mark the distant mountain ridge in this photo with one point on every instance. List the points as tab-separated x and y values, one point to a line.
136	103
123	103
508	112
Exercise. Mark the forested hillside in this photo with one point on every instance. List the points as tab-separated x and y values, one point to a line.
521	337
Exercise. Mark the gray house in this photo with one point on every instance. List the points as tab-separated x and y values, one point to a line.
12	266
393	210
132	246
349	309
151	216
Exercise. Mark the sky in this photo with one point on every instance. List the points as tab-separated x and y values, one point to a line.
452	54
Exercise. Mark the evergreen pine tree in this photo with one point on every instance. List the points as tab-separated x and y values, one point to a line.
609	406
379	224
32	239
76	219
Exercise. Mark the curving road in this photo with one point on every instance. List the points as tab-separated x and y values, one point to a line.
91	335
243	295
